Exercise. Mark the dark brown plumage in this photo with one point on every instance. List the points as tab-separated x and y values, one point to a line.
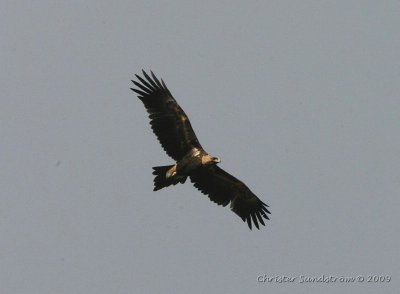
174	132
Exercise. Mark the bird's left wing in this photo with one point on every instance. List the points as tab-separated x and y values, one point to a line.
223	188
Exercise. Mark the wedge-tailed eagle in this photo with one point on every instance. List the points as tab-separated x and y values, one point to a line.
173	129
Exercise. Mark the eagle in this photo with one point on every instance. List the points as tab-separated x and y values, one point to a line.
173	130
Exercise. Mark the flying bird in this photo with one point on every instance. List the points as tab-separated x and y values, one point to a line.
174	132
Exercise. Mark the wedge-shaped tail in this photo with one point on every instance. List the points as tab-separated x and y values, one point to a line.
161	181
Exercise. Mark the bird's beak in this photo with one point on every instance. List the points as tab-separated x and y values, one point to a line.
216	160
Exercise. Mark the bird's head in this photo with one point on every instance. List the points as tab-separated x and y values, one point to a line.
209	160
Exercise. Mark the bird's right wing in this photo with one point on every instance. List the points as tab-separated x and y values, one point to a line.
169	122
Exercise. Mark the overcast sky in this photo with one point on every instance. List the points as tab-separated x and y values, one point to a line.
300	100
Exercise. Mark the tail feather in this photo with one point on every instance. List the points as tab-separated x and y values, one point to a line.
160	180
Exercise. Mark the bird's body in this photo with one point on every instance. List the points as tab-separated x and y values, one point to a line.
174	132
194	159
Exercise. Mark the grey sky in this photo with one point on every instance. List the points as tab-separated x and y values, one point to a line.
300	100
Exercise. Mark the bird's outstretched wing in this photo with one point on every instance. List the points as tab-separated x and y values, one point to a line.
223	188
169	122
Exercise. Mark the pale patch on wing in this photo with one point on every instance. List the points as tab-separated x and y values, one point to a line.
195	152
